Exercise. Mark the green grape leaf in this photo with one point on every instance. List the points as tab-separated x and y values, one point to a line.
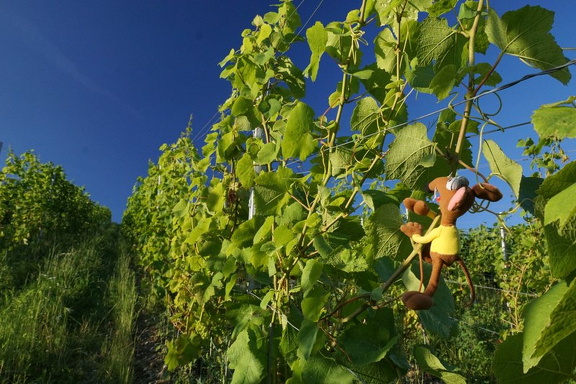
555	367
246	359
556	121
411	156
561	246
434	40
558	182
215	198
322	246
283	235
431	364
558	312
270	191
298	142
242	106
307	338
317	38
202	227
339	43
384	232
420	77
264	33
384	46
385	10
313	303
321	369
292	76
182	351
537	319
365	117
267	154
525	33
504	167
180	209
243	236
311	273
340	160
245	171
441	6
263	233
528	193
370	341
290	16
444	81
561	242
374	198
561	207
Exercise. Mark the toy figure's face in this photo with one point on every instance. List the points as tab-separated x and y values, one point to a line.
453	195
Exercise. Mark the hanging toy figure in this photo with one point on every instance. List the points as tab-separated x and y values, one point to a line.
441	246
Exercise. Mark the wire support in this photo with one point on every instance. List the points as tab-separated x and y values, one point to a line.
494	289
452	106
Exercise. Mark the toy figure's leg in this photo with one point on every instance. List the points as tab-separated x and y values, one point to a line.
437	264
417	300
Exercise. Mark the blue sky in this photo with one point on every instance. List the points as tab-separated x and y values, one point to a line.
98	86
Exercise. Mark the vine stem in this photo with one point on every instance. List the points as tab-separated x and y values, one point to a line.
331	138
471	60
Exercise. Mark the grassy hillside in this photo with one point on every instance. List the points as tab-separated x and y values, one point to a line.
70	317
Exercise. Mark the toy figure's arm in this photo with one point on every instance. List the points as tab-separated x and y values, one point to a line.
426	238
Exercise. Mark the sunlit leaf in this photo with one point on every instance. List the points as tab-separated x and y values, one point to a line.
558	122
270	190
298	141
501	165
561	242
245	171
267	154
365	117
434	40
404	160
312	271
536	321
525	33
561	207
560	323
247	361
317	38
431	364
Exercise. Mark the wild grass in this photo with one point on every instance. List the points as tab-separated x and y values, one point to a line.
118	349
72	320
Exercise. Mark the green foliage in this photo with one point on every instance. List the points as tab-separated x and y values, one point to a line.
37	203
287	272
553	123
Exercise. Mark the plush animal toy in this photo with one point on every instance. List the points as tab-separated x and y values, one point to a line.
441	246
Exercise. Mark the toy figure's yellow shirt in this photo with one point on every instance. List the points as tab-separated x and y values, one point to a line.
444	239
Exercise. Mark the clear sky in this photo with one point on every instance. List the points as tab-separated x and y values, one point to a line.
98	86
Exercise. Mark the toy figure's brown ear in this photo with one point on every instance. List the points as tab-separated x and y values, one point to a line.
487	191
